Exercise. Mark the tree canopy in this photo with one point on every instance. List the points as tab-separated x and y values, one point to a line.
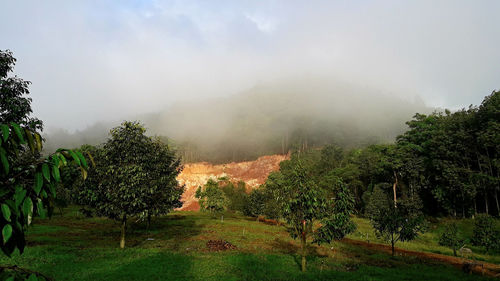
135	176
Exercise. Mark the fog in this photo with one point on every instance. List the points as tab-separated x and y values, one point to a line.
188	69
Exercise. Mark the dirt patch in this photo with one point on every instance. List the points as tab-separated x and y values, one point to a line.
219	245
253	173
478	267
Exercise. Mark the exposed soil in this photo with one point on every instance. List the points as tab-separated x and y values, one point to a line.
219	245
253	173
478	267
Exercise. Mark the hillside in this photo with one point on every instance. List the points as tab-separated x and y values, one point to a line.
269	118
253	173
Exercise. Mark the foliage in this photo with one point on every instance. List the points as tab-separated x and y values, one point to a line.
401	222
15	105
304	203
451	237
135	176
485	233
28	181
256	203
211	197
455	158
236	196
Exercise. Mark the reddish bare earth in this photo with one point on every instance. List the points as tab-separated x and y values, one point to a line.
253	173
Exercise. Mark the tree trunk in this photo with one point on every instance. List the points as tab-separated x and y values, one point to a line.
392	244
149	221
124	227
303	244
486	202
454	251
496	200
394	188
475	208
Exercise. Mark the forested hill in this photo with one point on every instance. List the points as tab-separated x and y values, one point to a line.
269	119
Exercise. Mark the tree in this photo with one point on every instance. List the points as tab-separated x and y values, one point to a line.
304	203
27	181
451	238
397	222
485	233
135	176
256	203
236	195
15	105
164	191
211	197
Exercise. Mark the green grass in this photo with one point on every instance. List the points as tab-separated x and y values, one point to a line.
428	241
76	248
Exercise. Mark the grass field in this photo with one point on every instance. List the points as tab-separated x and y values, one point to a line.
428	241
72	247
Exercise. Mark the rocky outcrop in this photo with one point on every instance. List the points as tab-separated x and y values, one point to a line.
253	173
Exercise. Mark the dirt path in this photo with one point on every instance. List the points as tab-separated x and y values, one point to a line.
478	267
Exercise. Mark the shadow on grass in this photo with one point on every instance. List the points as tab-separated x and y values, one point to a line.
158	266
165	232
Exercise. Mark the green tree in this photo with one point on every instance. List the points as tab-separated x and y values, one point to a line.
236	195
485	233
451	237
135	176
256	203
211	197
304	203
28	181
164	192
397	222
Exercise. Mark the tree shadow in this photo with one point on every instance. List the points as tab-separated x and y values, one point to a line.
158	266
288	247
165	232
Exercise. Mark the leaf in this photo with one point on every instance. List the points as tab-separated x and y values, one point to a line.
38	182
75	157
41	210
5	162
52	189
55	160
18	132
10	278
6	233
56	174
28	209
5	132
19	196
6	212
82	159
91	159
38	142
30	140
84	173
62	158
46	171
32	277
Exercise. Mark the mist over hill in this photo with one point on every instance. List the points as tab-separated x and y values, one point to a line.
268	119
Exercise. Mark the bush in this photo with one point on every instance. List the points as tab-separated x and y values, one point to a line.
255	204
485	234
451	238
236	196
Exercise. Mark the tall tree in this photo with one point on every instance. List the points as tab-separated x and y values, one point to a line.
303	203
27	181
135	176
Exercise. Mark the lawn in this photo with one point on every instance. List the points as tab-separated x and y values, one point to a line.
72	247
428	241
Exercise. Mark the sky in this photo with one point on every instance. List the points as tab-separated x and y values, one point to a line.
106	60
